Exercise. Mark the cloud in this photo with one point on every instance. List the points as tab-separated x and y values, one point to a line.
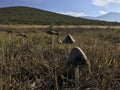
103	3
75	14
103	12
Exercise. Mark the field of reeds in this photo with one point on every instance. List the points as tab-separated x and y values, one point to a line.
36	61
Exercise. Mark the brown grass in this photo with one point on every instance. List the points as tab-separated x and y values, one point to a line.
33	63
58	26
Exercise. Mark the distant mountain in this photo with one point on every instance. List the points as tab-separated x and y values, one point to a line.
29	15
89	17
111	17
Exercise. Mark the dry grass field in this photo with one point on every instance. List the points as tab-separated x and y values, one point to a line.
36	61
57	26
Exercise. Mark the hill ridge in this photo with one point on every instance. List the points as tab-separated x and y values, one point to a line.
30	15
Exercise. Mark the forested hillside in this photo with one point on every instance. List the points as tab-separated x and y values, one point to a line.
28	15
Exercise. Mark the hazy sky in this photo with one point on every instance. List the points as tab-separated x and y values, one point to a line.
70	7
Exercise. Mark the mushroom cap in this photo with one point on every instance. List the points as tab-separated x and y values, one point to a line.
77	57
22	35
52	32
68	39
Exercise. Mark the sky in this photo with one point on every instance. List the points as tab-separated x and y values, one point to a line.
75	8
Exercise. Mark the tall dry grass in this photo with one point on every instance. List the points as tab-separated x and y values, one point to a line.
33	63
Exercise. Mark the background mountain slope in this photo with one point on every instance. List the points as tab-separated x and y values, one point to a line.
111	17
28	15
